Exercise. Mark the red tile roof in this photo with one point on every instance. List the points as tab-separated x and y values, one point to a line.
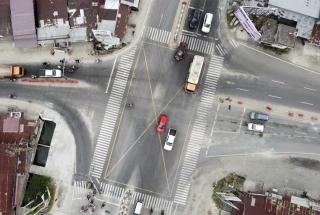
13	154
122	21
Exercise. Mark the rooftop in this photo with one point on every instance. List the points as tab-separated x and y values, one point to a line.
305	7
13	155
23	23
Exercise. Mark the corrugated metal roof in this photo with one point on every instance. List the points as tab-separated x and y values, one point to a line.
305	7
23	23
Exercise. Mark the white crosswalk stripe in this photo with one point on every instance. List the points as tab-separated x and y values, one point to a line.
198	45
157	34
198	129
234	43
80	189
149	201
222	51
111	113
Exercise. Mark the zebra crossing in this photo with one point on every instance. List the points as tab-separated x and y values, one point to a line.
149	201
198	129
80	189
111	113
198	45
234	43
222	51
157	34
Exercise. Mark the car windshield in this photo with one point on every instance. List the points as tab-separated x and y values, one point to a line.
207	25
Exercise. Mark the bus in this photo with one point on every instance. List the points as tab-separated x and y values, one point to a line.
194	74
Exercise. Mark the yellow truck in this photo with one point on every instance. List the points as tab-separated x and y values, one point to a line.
10	71
194	74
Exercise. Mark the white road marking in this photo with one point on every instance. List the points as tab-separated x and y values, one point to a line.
215	120
230	82
161	17
307	103
261	153
277	97
114	64
242	117
300	132
307	88
242	89
279	82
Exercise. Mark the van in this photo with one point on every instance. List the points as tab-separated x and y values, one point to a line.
258	116
207	23
138	208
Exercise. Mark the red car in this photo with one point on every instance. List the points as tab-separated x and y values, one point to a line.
163	120
181	50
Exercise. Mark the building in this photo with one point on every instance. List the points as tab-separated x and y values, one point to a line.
61	22
23	23
274	204
52	21
15	134
278	35
303	12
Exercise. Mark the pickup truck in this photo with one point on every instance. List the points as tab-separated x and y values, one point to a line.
256	127
50	73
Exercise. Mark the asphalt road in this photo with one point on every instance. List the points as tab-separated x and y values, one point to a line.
162	14
73	103
138	158
204	6
255	75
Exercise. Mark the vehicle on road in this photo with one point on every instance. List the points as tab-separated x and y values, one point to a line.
50	73
181	50
195	19
256	127
168	145
258	116
194	74
207	23
162	123
9	71
138	208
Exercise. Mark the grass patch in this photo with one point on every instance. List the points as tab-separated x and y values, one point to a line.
232	183
230	17
37	189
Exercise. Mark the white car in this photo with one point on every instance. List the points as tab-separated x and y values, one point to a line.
51	73
255	127
168	145
207	23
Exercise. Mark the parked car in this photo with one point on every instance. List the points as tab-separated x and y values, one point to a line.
138	208
256	127
181	50
168	145
162	123
195	19
258	116
207	23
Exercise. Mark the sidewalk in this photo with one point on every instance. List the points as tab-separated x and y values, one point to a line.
306	56
281	111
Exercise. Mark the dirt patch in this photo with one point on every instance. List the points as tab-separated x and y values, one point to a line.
305	163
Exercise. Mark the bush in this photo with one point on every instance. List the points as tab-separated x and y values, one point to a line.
36	187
